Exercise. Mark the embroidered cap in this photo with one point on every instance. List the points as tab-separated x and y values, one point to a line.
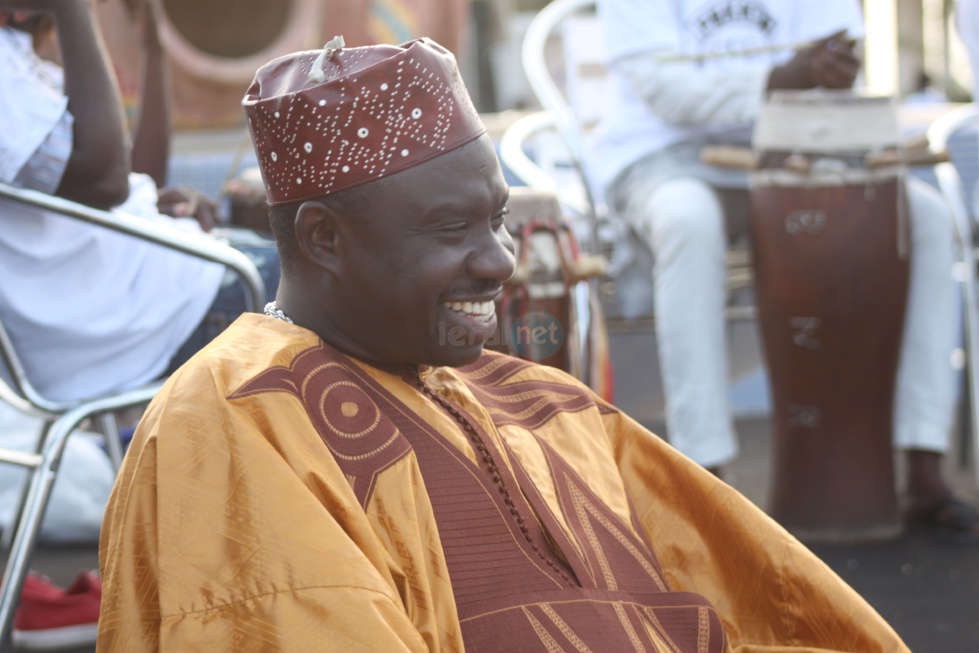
324	121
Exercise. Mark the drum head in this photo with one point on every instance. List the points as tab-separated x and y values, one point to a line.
823	121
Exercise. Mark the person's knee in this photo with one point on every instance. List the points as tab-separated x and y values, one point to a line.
931	216
685	212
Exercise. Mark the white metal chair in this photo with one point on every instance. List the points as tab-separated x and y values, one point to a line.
957	133
61	419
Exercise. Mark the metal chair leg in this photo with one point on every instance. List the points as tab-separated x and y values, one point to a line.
109	427
42	476
7	537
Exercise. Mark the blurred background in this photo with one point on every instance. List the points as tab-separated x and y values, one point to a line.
215	46
912	52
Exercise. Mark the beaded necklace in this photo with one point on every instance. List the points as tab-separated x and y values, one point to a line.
274	311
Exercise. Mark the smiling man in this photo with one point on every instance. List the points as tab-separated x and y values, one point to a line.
340	475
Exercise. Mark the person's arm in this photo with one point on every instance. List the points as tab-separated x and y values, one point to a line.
97	170
152	133
249	541
682	93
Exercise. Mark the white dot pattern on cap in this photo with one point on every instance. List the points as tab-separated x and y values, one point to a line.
375	119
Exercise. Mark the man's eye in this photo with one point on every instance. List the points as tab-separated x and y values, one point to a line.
452	227
500	218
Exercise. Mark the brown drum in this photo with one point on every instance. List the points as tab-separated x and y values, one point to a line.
830	239
247	206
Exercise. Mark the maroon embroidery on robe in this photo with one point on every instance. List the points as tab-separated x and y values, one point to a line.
519	588
528	403
521	582
361	438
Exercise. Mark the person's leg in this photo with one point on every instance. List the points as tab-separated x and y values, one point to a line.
683	222
925	392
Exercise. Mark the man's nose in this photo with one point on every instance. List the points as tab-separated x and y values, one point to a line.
493	257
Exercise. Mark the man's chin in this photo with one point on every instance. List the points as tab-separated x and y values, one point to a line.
456	356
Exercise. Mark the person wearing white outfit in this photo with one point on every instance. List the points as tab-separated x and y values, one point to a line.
78	297
646	159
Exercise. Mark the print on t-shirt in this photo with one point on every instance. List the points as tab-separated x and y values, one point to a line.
726	27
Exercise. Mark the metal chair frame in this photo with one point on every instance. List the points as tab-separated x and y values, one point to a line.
61	419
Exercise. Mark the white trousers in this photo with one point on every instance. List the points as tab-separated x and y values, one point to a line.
683	221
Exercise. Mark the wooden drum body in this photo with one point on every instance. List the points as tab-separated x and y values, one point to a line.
830	237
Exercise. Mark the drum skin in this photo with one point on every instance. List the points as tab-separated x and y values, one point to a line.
831	271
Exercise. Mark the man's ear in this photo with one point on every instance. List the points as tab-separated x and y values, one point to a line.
318	236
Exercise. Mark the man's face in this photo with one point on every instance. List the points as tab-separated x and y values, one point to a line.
425	260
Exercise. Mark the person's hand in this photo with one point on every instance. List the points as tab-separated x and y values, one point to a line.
182	202
20	11
829	62
17	11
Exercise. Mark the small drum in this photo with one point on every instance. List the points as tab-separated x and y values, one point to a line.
547	312
535	314
830	237
247	206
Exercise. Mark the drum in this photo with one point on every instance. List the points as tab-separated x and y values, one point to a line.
247	206
830	237
535	313
547	312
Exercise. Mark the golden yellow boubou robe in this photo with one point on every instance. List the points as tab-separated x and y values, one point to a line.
235	525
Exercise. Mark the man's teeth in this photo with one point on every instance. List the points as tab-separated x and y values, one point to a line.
475	309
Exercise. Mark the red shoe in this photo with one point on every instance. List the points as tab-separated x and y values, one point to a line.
37	586
50	618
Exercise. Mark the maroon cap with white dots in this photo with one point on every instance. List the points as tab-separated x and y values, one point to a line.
323	121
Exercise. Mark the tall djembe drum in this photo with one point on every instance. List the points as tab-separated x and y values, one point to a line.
830	236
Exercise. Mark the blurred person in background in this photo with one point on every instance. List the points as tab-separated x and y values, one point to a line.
92	310
690	74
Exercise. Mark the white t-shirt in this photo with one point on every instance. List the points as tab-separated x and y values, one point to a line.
711	99
89	310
